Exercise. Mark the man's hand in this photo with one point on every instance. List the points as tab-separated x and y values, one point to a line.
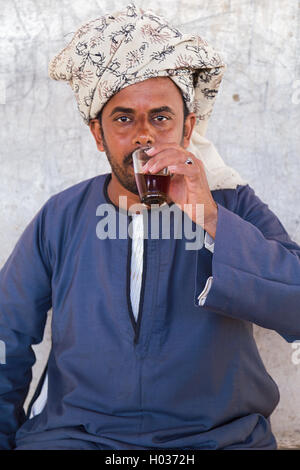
188	183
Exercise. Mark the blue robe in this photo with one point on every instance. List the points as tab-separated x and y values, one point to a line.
183	376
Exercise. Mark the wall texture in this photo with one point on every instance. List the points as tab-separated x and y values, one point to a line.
45	147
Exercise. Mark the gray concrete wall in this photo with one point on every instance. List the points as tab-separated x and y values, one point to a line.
45	147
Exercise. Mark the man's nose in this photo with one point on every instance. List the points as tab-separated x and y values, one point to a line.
143	135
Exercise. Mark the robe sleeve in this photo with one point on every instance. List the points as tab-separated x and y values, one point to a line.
25	299
255	272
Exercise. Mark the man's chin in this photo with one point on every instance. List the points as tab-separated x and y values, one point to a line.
133	191
130	186
127	181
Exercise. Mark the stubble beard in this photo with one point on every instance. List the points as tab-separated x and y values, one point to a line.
124	173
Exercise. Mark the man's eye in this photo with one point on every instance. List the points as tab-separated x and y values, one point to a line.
122	119
161	118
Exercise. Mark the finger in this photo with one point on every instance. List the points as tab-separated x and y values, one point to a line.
166	158
183	169
160	147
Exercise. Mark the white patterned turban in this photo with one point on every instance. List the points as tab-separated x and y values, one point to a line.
121	49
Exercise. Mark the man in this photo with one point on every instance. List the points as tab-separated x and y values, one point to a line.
152	344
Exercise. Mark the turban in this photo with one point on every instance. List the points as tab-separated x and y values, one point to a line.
117	50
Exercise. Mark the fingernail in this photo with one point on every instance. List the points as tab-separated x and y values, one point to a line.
149	151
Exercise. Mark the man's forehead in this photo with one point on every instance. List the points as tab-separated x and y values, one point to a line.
153	93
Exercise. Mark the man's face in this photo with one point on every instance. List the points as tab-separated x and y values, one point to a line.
147	113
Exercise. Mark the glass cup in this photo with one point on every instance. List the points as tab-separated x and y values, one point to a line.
153	188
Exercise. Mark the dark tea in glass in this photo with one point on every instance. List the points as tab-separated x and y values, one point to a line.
153	189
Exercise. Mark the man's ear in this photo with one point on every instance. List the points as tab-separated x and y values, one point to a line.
188	129
95	129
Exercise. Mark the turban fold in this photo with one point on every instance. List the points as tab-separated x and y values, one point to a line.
130	46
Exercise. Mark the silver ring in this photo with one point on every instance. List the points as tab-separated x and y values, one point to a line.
189	162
